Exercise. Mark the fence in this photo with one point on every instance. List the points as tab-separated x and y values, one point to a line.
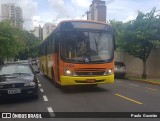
135	65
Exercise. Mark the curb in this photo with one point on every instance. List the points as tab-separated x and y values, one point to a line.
144	81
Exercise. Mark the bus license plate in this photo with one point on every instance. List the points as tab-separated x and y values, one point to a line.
14	91
90	80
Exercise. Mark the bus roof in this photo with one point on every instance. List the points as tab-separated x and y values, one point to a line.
65	21
83	24
83	21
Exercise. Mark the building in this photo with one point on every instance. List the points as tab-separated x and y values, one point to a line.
19	18
42	33
10	12
47	29
38	32
97	11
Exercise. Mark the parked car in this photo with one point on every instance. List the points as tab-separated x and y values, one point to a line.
18	80
119	69
1	62
34	62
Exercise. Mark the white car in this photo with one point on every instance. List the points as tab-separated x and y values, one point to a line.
119	70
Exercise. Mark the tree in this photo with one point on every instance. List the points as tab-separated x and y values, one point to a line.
10	39
140	36
117	27
16	43
32	45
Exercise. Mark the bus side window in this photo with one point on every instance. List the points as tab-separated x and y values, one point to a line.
53	43
56	41
45	48
114	40
50	45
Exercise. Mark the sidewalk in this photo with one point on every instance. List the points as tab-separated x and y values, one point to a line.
150	81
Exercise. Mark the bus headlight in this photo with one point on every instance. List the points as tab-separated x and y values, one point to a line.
68	72
108	72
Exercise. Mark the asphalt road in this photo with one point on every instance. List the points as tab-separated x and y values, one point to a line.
122	96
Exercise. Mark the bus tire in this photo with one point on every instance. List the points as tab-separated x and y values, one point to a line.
42	69
53	79
56	84
93	85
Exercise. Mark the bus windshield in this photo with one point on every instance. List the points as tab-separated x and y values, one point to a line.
86	46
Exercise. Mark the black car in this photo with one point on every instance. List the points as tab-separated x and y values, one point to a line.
1	62
119	69
18	80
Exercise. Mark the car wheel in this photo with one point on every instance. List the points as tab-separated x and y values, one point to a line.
35	96
122	76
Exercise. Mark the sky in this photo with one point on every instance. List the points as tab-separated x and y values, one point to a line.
39	12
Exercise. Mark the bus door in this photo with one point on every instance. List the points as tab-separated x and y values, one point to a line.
56	59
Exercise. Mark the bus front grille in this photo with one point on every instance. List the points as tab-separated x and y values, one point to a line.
90	71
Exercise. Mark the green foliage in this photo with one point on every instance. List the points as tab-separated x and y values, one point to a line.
17	43
32	44
10	41
117	27
140	36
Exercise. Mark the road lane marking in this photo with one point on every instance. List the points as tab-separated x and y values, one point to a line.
39	85
51	112
45	98
129	99
41	90
134	85
38	80
151	89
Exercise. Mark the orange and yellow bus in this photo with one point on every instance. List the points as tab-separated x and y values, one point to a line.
79	52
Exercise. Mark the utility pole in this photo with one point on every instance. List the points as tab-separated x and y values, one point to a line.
98	10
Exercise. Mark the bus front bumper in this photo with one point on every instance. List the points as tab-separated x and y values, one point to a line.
76	80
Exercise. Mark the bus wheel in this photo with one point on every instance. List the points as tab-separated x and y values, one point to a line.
56	84
42	69
53	80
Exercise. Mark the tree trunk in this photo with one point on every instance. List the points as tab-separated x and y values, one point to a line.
144	75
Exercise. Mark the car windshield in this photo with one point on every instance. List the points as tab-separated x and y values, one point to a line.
15	69
86	46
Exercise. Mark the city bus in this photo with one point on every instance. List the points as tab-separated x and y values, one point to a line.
78	52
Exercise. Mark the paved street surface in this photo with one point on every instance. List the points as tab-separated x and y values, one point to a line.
122	96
